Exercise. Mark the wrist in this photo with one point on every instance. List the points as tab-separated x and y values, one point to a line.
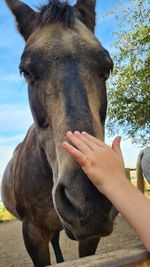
114	185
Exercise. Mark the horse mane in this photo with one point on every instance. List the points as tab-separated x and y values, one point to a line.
56	11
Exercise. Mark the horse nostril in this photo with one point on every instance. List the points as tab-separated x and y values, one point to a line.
64	203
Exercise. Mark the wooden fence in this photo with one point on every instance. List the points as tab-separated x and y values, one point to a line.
131	175
136	257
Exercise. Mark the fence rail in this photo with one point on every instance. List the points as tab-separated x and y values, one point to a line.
124	257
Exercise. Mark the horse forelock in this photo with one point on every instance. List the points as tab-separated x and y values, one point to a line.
56	11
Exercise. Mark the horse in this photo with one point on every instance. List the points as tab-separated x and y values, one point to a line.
143	168
66	68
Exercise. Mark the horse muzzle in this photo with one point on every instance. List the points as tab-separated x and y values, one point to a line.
83	211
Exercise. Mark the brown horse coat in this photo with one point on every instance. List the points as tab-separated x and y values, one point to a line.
66	68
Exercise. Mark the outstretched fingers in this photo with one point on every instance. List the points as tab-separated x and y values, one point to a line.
76	154
78	143
89	143
94	139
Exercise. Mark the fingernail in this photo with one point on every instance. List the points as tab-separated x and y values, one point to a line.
77	133
65	144
69	133
84	133
119	137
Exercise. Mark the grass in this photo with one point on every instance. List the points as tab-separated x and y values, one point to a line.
5	216
144	264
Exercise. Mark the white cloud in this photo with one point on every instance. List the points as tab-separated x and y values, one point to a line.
11	77
11	140
130	152
14	123
7	146
14	118
5	155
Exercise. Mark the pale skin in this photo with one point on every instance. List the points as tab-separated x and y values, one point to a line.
104	166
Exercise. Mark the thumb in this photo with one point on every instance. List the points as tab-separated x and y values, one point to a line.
116	145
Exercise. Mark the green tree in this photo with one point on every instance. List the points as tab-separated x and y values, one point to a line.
129	89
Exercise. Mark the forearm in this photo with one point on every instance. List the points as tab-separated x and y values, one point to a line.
134	207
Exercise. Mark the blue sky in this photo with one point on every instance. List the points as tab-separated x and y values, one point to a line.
15	116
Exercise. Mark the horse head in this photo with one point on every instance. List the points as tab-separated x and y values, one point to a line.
66	69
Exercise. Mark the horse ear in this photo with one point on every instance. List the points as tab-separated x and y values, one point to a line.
87	12
24	15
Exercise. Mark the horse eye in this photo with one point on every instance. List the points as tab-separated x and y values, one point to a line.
27	75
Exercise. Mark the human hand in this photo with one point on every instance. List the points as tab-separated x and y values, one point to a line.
102	164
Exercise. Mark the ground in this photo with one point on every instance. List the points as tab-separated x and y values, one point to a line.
13	253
